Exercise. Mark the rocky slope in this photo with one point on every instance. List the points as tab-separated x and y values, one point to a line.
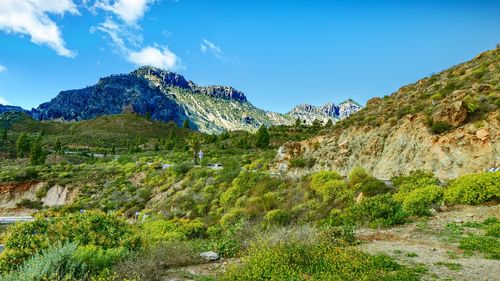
448	123
329	111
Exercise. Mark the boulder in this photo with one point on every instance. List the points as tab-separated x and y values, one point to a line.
454	114
482	134
210	256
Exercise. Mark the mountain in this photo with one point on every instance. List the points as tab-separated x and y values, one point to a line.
329	111
448	123
167	96
9	108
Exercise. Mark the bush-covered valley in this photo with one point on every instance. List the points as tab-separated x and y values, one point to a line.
139	202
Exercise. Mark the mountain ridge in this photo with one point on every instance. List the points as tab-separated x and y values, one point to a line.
167	96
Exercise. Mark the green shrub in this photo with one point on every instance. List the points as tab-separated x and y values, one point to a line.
301	162
50	264
373	186
328	184
439	127
30	204
156	230
380	210
276	218
317	261
90	228
473	189
415	180
95	259
418	201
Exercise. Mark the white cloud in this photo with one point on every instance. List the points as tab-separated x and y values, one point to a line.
207	46
2	68
120	35
158	57
31	17
130	11
3	101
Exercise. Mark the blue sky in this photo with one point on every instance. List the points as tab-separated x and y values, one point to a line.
279	53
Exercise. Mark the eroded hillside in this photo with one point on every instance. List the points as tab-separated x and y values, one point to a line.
447	123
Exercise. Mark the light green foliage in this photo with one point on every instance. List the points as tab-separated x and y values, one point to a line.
418	201
473	189
380	210
276	218
91	228
414	180
328	184
94	259
318	261
156	230
51	264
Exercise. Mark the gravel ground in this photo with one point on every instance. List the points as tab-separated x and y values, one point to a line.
423	243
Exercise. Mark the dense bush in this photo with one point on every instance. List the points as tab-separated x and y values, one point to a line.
91	228
473	189
418	201
416	179
276	218
318	261
51	264
328	184
156	230
380	210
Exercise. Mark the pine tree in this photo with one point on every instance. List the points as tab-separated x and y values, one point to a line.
262	137
58	146
22	145
37	154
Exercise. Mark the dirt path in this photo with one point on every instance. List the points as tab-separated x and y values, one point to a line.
423	243
195	272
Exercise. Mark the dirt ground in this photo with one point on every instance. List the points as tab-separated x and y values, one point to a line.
423	243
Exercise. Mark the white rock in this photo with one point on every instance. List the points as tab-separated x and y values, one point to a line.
210	256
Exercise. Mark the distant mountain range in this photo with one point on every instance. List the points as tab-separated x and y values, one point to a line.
167	96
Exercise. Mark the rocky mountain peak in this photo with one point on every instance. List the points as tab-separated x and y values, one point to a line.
166	78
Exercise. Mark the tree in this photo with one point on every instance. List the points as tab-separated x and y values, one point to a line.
37	154
3	134
298	122
316	124
194	143
262	137
329	123
185	125
23	145
58	146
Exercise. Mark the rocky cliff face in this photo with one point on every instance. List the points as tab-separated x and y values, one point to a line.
388	150
329	111
447	124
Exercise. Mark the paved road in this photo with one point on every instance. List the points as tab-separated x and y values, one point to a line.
9	220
